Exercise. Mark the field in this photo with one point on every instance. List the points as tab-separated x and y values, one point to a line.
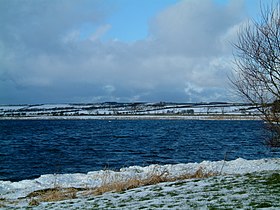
112	110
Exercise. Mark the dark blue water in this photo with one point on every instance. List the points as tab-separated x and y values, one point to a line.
29	149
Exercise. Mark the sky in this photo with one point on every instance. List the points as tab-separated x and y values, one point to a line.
83	51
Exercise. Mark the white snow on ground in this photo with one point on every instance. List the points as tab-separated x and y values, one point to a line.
250	191
12	192
45	110
136	117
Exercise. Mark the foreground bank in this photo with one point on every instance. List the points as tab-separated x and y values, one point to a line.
223	184
248	191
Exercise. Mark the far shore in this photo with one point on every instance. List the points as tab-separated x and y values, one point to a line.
137	117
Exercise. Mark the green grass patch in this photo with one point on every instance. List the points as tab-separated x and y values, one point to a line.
260	205
172	193
146	198
273	179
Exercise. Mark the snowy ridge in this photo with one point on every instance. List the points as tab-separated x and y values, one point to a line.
15	190
66	111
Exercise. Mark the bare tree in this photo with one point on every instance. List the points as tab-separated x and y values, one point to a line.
257	60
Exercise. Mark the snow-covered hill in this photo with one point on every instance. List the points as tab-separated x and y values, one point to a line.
127	109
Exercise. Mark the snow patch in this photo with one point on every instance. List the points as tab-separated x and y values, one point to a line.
15	190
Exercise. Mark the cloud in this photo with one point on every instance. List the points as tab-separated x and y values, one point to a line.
186	56
100	32
194	27
40	24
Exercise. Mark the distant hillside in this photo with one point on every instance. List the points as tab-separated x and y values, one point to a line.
127	109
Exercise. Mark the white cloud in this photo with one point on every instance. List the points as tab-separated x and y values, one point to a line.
194	27
109	89
72	36
100	31
185	58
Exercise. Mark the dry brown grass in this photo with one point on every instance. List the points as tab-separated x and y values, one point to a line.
107	185
199	174
52	194
117	186
153	179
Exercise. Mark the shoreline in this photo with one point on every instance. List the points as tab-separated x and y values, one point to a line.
138	117
53	190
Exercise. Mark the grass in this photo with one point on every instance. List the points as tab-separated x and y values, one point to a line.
248	191
252	190
273	180
52	195
153	179
2	200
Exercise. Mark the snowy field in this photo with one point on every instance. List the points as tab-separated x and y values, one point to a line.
246	184
118	110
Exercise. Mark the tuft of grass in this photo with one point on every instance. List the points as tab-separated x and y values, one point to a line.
154	178
172	194
273	179
2	200
52	194
117	186
34	202
260	205
200	173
